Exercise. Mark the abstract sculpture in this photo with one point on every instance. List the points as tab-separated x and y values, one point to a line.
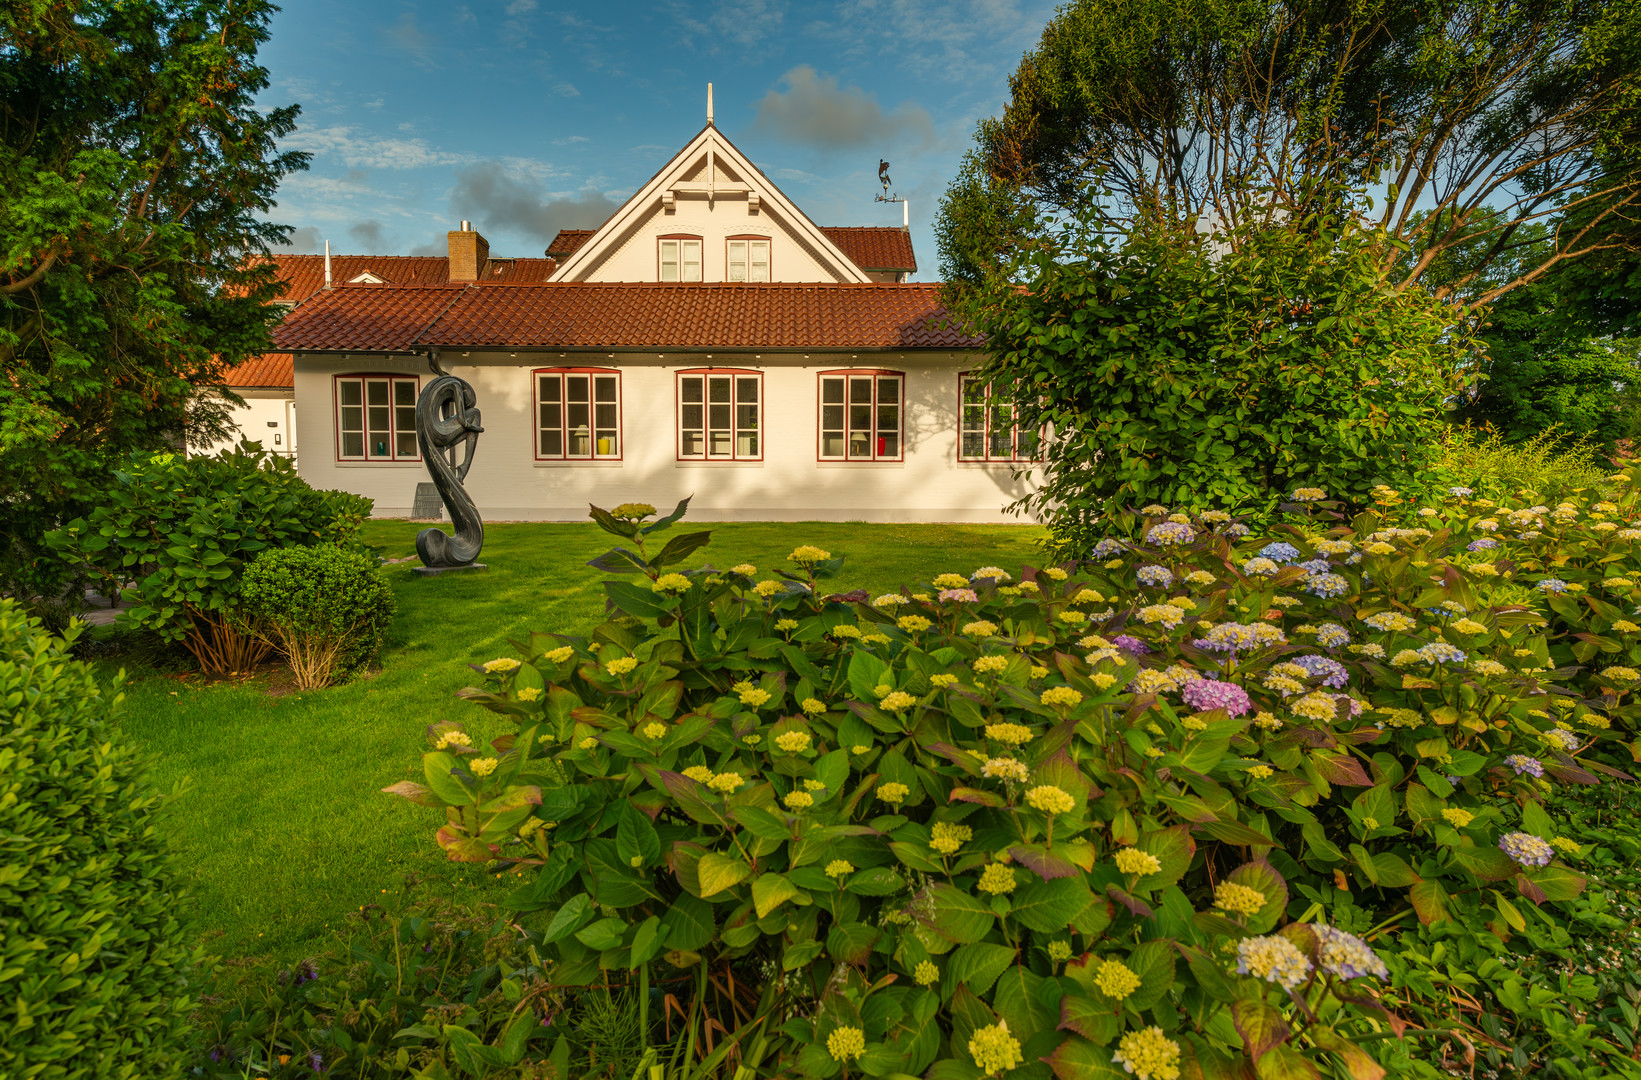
446	417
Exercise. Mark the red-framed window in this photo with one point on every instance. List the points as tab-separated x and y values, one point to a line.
862	415
679	257
720	414
746	258
376	417
578	414
987	428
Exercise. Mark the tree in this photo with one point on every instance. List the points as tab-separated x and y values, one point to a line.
1470	121
1223	372
135	171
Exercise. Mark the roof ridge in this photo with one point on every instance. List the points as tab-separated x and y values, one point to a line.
435	320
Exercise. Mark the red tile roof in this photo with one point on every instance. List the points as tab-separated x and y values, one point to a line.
874	247
305	274
567	240
881	248
624	315
266	372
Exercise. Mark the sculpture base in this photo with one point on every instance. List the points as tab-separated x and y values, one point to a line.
435	571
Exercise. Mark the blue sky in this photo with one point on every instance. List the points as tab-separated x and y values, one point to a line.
527	116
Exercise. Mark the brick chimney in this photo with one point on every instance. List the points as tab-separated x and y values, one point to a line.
468	253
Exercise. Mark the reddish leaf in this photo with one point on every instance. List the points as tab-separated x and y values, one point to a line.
1341	769
1132	903
416	793
1260	1025
1043	862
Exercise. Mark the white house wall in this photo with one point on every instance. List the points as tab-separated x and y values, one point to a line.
266	417
790	484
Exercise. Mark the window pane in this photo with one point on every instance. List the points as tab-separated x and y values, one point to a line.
973	445
575	387
718	388
692	259
737	260
746	389
604	416
832	390
549	388
746	443
349	392
669	260
404	392
604	388
759	270
376	392
405	446
353	444
552	442
607	442
690	388
1027	446
888	389
832	444
694	444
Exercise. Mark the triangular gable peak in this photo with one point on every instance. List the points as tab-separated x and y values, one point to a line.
712	194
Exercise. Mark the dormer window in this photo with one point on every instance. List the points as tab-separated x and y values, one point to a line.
748	258
367	278
680	258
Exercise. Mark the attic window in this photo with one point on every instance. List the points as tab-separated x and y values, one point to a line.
367	278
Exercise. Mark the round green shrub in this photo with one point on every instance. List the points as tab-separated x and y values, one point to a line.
94	961
323	607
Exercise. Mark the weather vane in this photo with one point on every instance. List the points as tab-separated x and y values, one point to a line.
885	197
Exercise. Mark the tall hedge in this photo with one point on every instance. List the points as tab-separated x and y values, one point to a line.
94	959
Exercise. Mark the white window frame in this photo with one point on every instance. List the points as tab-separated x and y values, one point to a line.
989	428
741	259
395	420
675	254
734	420
600	437
856	417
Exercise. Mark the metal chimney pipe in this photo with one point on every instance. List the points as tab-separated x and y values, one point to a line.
467	226
905	214
327	264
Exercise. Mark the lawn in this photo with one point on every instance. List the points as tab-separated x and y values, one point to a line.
282	822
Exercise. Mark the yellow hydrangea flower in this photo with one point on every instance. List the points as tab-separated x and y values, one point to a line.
482	766
675	583
845	1043
767	588
893	792
501	666
1051	800
839	867
453	738
980	628
1115	979
807	554
725	782
699	773
994	1050
950	581
754	697
655	731
897	701
621	665
1148	1054
1134	861
560	654
1054	573
1011	734
997	879
986	665
1238	899
813	707
793	742
799	800
925	974
942	682
946	838
913	624
1005	768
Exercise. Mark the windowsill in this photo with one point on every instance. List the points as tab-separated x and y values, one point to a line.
998	464
351	464
580	463
860	464
741	463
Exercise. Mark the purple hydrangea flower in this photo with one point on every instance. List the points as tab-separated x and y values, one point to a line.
1564	739
1155	575
1129	643
316	1062
1316	566
1205	694
1280	552
1481	545
1524	765
1104	548
1346	955
962	596
1552	585
1171	532
1326	586
1330	671
1236	530
1526	849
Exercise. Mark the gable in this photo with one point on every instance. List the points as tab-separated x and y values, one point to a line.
711	193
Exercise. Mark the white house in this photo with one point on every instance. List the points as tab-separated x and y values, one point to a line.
707	340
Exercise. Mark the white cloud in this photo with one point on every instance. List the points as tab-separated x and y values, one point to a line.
350	146
741	24
520	7
408	35
814	110
570	140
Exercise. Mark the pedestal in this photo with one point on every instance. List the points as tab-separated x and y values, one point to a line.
435	571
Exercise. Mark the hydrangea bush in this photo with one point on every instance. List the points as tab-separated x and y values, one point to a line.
1202	804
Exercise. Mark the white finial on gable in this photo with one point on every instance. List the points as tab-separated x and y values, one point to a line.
709	103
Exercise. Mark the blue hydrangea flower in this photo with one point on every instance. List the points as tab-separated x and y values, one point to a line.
1317	566
1483	544
1346	955
1129	643
1327	586
1170	532
1331	672
1527	849
1332	636
1280	552
1552	585
1155	575
1524	765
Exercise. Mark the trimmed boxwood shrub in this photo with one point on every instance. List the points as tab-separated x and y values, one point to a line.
324	609
95	962
180	531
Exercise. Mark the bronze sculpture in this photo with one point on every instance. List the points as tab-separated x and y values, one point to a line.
445	418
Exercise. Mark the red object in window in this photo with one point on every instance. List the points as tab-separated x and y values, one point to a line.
882	446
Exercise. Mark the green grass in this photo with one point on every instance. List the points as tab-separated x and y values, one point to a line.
283	825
